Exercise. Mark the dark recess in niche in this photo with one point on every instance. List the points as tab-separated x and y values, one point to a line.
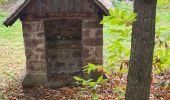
63	29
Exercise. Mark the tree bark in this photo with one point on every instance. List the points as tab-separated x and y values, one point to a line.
142	48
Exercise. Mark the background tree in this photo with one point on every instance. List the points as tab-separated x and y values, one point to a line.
142	48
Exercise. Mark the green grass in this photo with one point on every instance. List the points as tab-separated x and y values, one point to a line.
3	1
163	12
12	33
12	59
163	16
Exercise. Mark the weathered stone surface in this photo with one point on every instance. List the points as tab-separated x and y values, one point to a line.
60	47
90	52
40	50
93	61
29	53
36	66
86	33
89	41
60	64
40	34
33	42
29	27
92	34
35	53
76	54
34	79
64	47
91	24
99	42
99	33
93	42
99	52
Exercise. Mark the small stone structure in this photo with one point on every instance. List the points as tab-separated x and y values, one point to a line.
60	37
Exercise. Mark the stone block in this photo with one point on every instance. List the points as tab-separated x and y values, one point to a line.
92	24
89	41
28	53
33	79
27	35
93	42
42	57
92	34
27	27
86	33
33	57
40	50
31	27
76	54
88	52
37	27
99	33
99	52
33	42
93	60
99	42
40	35
59	64
36	66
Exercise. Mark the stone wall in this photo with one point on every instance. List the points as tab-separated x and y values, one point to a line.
51	48
92	41
63	41
34	39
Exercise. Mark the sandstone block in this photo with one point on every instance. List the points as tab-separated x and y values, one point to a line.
91	24
33	79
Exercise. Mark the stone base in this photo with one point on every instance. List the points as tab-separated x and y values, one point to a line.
34	79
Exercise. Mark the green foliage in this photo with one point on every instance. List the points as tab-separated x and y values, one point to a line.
95	96
162	53
90	83
163	2
119	18
92	68
117	44
162	50
119	91
118	26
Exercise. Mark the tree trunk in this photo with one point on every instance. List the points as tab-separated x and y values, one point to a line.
142	48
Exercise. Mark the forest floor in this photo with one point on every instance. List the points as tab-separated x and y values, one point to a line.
12	64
